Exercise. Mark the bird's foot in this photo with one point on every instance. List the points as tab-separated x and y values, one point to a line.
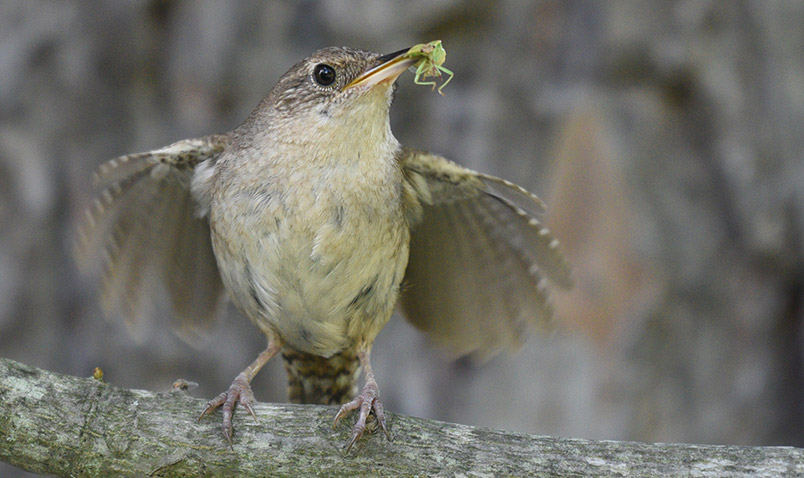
366	402
239	392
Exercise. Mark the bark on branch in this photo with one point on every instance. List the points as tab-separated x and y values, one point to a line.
71	426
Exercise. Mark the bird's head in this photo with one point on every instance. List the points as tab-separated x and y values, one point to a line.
335	92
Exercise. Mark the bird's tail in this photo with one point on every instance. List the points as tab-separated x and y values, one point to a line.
316	379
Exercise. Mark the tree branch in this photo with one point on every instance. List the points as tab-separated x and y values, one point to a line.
70	426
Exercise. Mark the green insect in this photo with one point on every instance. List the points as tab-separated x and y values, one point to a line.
431	56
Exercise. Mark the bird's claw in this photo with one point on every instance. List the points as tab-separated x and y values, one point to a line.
239	392
366	402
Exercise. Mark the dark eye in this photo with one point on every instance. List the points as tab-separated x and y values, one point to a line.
324	74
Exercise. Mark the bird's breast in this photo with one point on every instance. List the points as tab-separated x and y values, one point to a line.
315	256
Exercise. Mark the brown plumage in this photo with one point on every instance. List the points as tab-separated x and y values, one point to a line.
311	216
322	380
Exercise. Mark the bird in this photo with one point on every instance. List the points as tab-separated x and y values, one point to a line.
317	224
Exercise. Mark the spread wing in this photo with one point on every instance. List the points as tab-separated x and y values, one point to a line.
143	228
480	260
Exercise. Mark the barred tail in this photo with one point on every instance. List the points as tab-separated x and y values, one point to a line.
315	379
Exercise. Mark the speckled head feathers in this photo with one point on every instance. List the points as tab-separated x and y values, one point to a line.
299	88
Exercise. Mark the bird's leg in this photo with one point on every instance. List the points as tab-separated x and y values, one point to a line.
240	391
366	402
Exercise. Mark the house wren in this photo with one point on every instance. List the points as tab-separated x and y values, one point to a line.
316	222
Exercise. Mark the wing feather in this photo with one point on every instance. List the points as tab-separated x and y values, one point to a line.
143	229
480	261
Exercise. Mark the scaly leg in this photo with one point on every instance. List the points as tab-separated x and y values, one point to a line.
240	391
366	402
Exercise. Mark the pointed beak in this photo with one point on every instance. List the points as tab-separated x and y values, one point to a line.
389	67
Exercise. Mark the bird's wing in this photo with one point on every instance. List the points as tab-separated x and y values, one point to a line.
143	228
480	260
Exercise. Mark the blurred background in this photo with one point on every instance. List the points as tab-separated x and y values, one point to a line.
666	137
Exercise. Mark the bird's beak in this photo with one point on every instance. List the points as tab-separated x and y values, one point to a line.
389	67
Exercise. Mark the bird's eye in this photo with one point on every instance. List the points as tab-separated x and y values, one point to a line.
324	74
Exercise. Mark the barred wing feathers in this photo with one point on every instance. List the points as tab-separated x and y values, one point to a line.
480	261
144	231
